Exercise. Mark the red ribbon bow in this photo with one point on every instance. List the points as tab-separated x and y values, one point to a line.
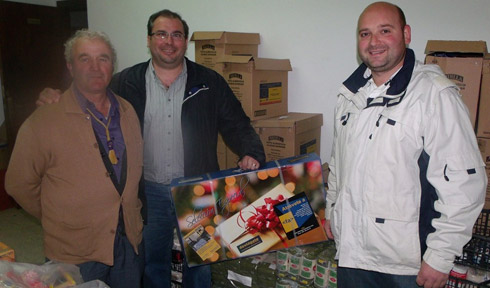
264	217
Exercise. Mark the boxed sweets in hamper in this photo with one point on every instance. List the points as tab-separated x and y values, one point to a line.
234	213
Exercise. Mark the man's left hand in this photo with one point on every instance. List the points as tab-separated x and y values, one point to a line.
429	277
248	163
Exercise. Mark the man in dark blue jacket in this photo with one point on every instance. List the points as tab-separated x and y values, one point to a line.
182	106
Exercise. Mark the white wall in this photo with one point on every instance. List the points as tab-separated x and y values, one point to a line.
319	36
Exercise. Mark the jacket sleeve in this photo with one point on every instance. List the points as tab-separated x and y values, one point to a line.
235	128
457	172
25	171
332	184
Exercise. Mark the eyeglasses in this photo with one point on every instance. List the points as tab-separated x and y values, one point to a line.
161	35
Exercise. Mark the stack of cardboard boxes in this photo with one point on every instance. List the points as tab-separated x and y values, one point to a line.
467	63
483	130
261	85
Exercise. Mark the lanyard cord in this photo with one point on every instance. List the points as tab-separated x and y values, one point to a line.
110	146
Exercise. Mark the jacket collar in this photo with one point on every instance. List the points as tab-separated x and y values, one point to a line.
196	79
192	78
136	76
72	104
398	84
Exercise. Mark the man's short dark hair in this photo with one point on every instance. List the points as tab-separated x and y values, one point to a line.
167	14
403	20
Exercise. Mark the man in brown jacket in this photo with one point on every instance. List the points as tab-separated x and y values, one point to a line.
76	166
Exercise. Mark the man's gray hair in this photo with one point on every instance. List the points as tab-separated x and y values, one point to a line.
88	34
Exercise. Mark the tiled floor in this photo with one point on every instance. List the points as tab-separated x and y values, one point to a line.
23	233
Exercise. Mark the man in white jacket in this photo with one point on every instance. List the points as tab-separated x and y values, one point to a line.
407	181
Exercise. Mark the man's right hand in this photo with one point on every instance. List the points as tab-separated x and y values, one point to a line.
48	96
429	277
328	229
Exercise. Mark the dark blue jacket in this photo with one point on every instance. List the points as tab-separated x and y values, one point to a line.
209	107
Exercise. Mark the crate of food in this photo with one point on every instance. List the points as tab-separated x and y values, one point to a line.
481	225
476	253
464	283
475	258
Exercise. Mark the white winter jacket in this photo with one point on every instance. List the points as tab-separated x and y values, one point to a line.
420	179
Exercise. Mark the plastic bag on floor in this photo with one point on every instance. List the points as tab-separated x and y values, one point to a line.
93	284
48	275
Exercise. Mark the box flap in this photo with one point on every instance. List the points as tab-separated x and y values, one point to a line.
272	64
301	121
206	35
227	37
241	38
259	63
433	46
312	122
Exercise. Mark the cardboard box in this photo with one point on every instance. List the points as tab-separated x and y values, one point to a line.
290	135
234	213
285	136
462	62
226	158
484	146
6	253
211	45
483	126
261	84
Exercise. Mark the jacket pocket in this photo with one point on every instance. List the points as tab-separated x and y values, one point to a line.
403	127
392	243
461	177
462	165
80	240
392	175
